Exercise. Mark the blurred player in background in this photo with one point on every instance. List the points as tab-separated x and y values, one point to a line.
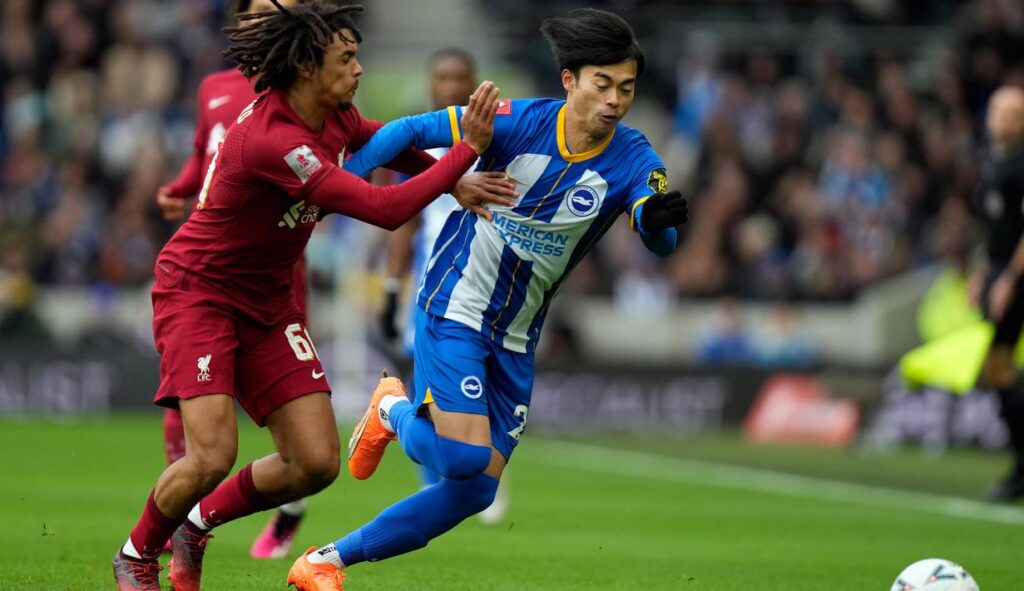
225	319
452	73
996	284
490	279
222	96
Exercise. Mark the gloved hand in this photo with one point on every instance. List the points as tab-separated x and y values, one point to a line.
664	210
388	326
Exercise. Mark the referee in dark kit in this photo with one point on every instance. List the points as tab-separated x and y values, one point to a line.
996	286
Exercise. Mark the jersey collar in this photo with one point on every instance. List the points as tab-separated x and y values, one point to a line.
564	150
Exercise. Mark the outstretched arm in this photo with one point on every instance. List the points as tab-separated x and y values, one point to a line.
429	130
389	207
411	162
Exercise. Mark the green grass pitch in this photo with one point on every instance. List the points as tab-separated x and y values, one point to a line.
601	512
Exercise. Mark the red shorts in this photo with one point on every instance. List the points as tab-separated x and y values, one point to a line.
206	348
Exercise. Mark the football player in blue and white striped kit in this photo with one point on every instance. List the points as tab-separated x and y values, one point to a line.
491	278
452	79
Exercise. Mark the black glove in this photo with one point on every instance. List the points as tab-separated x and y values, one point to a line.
664	210
388	327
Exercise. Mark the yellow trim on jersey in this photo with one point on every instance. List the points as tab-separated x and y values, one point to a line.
564	150
553	187
632	212
429	398
453	120
438	288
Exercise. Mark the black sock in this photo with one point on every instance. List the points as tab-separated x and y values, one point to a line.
285	524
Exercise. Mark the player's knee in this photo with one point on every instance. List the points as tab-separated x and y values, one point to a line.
461	461
474	494
212	456
211	468
319	469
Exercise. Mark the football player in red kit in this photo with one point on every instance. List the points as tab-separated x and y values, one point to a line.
222	96
225	318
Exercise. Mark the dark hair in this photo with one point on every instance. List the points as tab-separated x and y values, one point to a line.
240	6
592	37
453	52
277	44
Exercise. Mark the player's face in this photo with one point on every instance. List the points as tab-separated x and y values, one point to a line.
338	78
1005	118
451	82
601	95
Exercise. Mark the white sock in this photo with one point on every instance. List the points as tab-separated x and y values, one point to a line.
295	508
385	406
196	517
129	550
326	555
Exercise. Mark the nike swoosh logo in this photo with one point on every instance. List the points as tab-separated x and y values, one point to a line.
353	442
216	102
317	375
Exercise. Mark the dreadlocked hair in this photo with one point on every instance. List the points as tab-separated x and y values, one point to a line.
277	44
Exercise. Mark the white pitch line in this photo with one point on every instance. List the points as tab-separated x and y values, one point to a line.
607	460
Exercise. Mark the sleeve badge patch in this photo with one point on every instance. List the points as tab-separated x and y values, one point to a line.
657	181
303	162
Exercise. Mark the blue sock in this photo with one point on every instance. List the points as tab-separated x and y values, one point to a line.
412	522
446	457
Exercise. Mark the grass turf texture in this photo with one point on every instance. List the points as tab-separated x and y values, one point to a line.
70	491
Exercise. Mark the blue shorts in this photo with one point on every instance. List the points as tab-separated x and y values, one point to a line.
461	370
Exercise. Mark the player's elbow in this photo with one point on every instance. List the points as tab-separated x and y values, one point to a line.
387	224
393	218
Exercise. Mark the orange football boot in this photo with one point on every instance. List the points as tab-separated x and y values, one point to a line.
370	438
306	576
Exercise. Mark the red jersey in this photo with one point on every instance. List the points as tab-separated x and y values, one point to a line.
222	96
271	181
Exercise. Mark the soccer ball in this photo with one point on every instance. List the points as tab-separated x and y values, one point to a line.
934	574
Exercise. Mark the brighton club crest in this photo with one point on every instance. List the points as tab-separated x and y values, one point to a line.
582	200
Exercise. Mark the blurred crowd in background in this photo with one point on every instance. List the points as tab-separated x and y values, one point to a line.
97	113
812	171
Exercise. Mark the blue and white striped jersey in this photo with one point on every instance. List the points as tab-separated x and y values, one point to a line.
432	219
500	277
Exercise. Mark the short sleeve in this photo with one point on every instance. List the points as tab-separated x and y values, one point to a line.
295	166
